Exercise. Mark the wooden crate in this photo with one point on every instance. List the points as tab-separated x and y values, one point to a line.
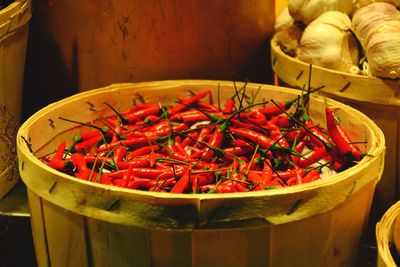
78	223
379	99
13	42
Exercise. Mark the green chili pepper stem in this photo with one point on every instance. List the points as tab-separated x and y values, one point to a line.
122	118
327	146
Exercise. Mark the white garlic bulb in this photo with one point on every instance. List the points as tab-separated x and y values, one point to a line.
308	10
288	33
377	27
328	42
362	3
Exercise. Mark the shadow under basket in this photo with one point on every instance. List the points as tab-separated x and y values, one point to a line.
78	223
377	98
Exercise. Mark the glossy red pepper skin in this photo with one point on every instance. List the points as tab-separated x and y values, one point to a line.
229	105
275	110
183	183
312	175
131	142
187	102
253	136
313	157
215	140
339	137
140	114
88	143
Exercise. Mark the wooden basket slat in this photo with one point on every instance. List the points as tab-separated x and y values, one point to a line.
38	229
116	245
65	236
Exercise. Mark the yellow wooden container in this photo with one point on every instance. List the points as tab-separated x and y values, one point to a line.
78	223
13	42
378	98
388	237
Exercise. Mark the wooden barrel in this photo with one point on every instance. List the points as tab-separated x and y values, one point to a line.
91	44
378	98
388	237
14	20
78	223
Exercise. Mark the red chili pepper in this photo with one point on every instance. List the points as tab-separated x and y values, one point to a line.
317	135
277	135
241	124
236	151
256	117
189	140
142	113
298	149
187	102
60	165
311	175
87	135
138	107
225	187
295	134
254	137
275	110
88	143
283	122
142	151
340	138
79	162
299	174
207	107
261	180
83	171
216	140
229	105
151	173
313	157
131	142
126	177
138	183
119	153
57	162
183	183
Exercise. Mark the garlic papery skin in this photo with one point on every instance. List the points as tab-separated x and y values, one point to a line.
328	42
288	33
377	27
308	10
362	3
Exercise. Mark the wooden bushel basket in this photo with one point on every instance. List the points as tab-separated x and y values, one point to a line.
388	237
78	223
379	99
13	43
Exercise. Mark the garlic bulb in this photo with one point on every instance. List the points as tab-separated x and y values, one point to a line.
362	3
288	33
328	42
308	10
377	27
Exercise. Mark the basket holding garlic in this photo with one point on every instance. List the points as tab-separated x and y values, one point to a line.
353	36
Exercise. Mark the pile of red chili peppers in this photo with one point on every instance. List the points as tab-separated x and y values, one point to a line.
195	146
